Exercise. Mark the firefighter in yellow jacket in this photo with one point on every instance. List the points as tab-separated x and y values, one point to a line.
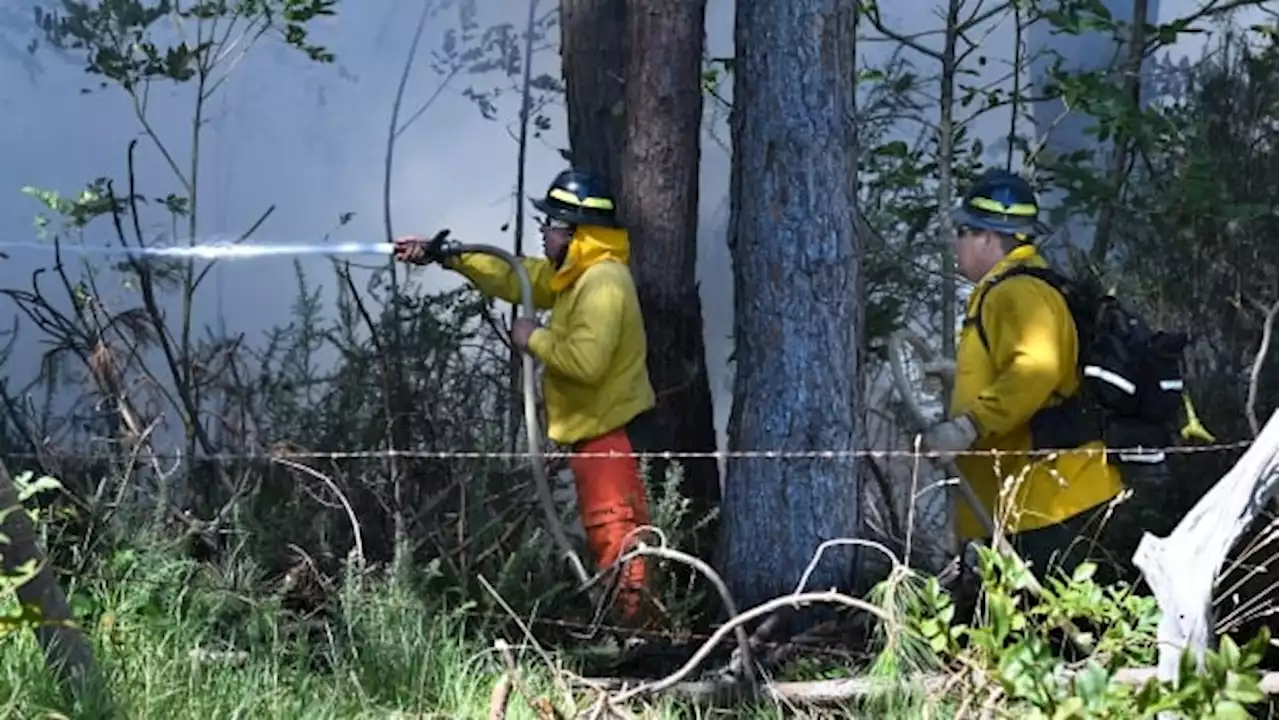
1048	506
595	380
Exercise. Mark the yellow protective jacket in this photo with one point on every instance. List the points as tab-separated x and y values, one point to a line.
1033	354
596	378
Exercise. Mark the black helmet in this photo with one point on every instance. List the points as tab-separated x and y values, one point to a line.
579	197
1002	202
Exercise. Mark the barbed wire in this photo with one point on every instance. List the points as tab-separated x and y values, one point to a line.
834	454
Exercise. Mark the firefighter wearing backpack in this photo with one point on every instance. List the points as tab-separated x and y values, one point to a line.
595	381
1003	386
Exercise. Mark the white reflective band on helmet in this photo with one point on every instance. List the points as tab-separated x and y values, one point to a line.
1110	378
1152	458
1170	384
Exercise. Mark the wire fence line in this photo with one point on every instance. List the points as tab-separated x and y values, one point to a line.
387	454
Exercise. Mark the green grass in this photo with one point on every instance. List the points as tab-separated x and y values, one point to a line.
415	663
390	655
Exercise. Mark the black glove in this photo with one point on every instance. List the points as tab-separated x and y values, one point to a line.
415	250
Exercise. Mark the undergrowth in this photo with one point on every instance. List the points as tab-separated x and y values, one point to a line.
172	643
177	637
1012	656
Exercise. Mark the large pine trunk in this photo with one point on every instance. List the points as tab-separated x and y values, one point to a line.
659	196
794	242
633	91
593	58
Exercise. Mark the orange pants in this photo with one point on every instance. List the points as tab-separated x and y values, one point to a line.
612	503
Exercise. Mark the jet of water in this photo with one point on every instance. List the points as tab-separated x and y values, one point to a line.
212	251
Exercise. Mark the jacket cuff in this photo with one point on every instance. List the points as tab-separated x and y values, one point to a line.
540	341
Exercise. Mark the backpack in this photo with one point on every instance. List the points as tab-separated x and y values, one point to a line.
1131	383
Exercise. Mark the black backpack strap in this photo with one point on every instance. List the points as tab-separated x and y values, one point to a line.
1047	275
1072	421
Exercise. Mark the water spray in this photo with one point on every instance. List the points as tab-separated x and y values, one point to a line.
209	251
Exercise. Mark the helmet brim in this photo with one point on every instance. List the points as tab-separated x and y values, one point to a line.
1034	228
569	215
543	207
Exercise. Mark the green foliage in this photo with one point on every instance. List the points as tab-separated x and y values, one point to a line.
18	618
120	38
94	200
681	593
1010	646
1169	128
1191	222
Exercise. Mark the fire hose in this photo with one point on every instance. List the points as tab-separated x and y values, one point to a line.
898	344
533	429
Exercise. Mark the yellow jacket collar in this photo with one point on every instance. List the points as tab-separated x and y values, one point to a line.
591	244
1020	255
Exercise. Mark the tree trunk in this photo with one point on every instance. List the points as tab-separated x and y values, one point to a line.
659	202
593	58
797	285
66	650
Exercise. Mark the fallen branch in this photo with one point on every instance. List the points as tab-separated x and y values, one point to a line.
744	668
766	629
505	649
346	505
499	698
831	692
541	706
738	621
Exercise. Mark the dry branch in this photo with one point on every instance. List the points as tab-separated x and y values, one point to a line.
499	698
738	676
1255	373
831	692
540	706
504	648
346	504
758	611
740	634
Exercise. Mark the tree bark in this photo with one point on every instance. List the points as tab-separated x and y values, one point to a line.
66	650
593	58
659	201
794	242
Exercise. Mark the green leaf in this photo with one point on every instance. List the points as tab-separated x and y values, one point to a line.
28	488
1242	688
1091	684
1084	572
1070	708
1229	710
1256	648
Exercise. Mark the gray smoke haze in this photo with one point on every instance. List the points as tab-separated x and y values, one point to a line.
310	140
